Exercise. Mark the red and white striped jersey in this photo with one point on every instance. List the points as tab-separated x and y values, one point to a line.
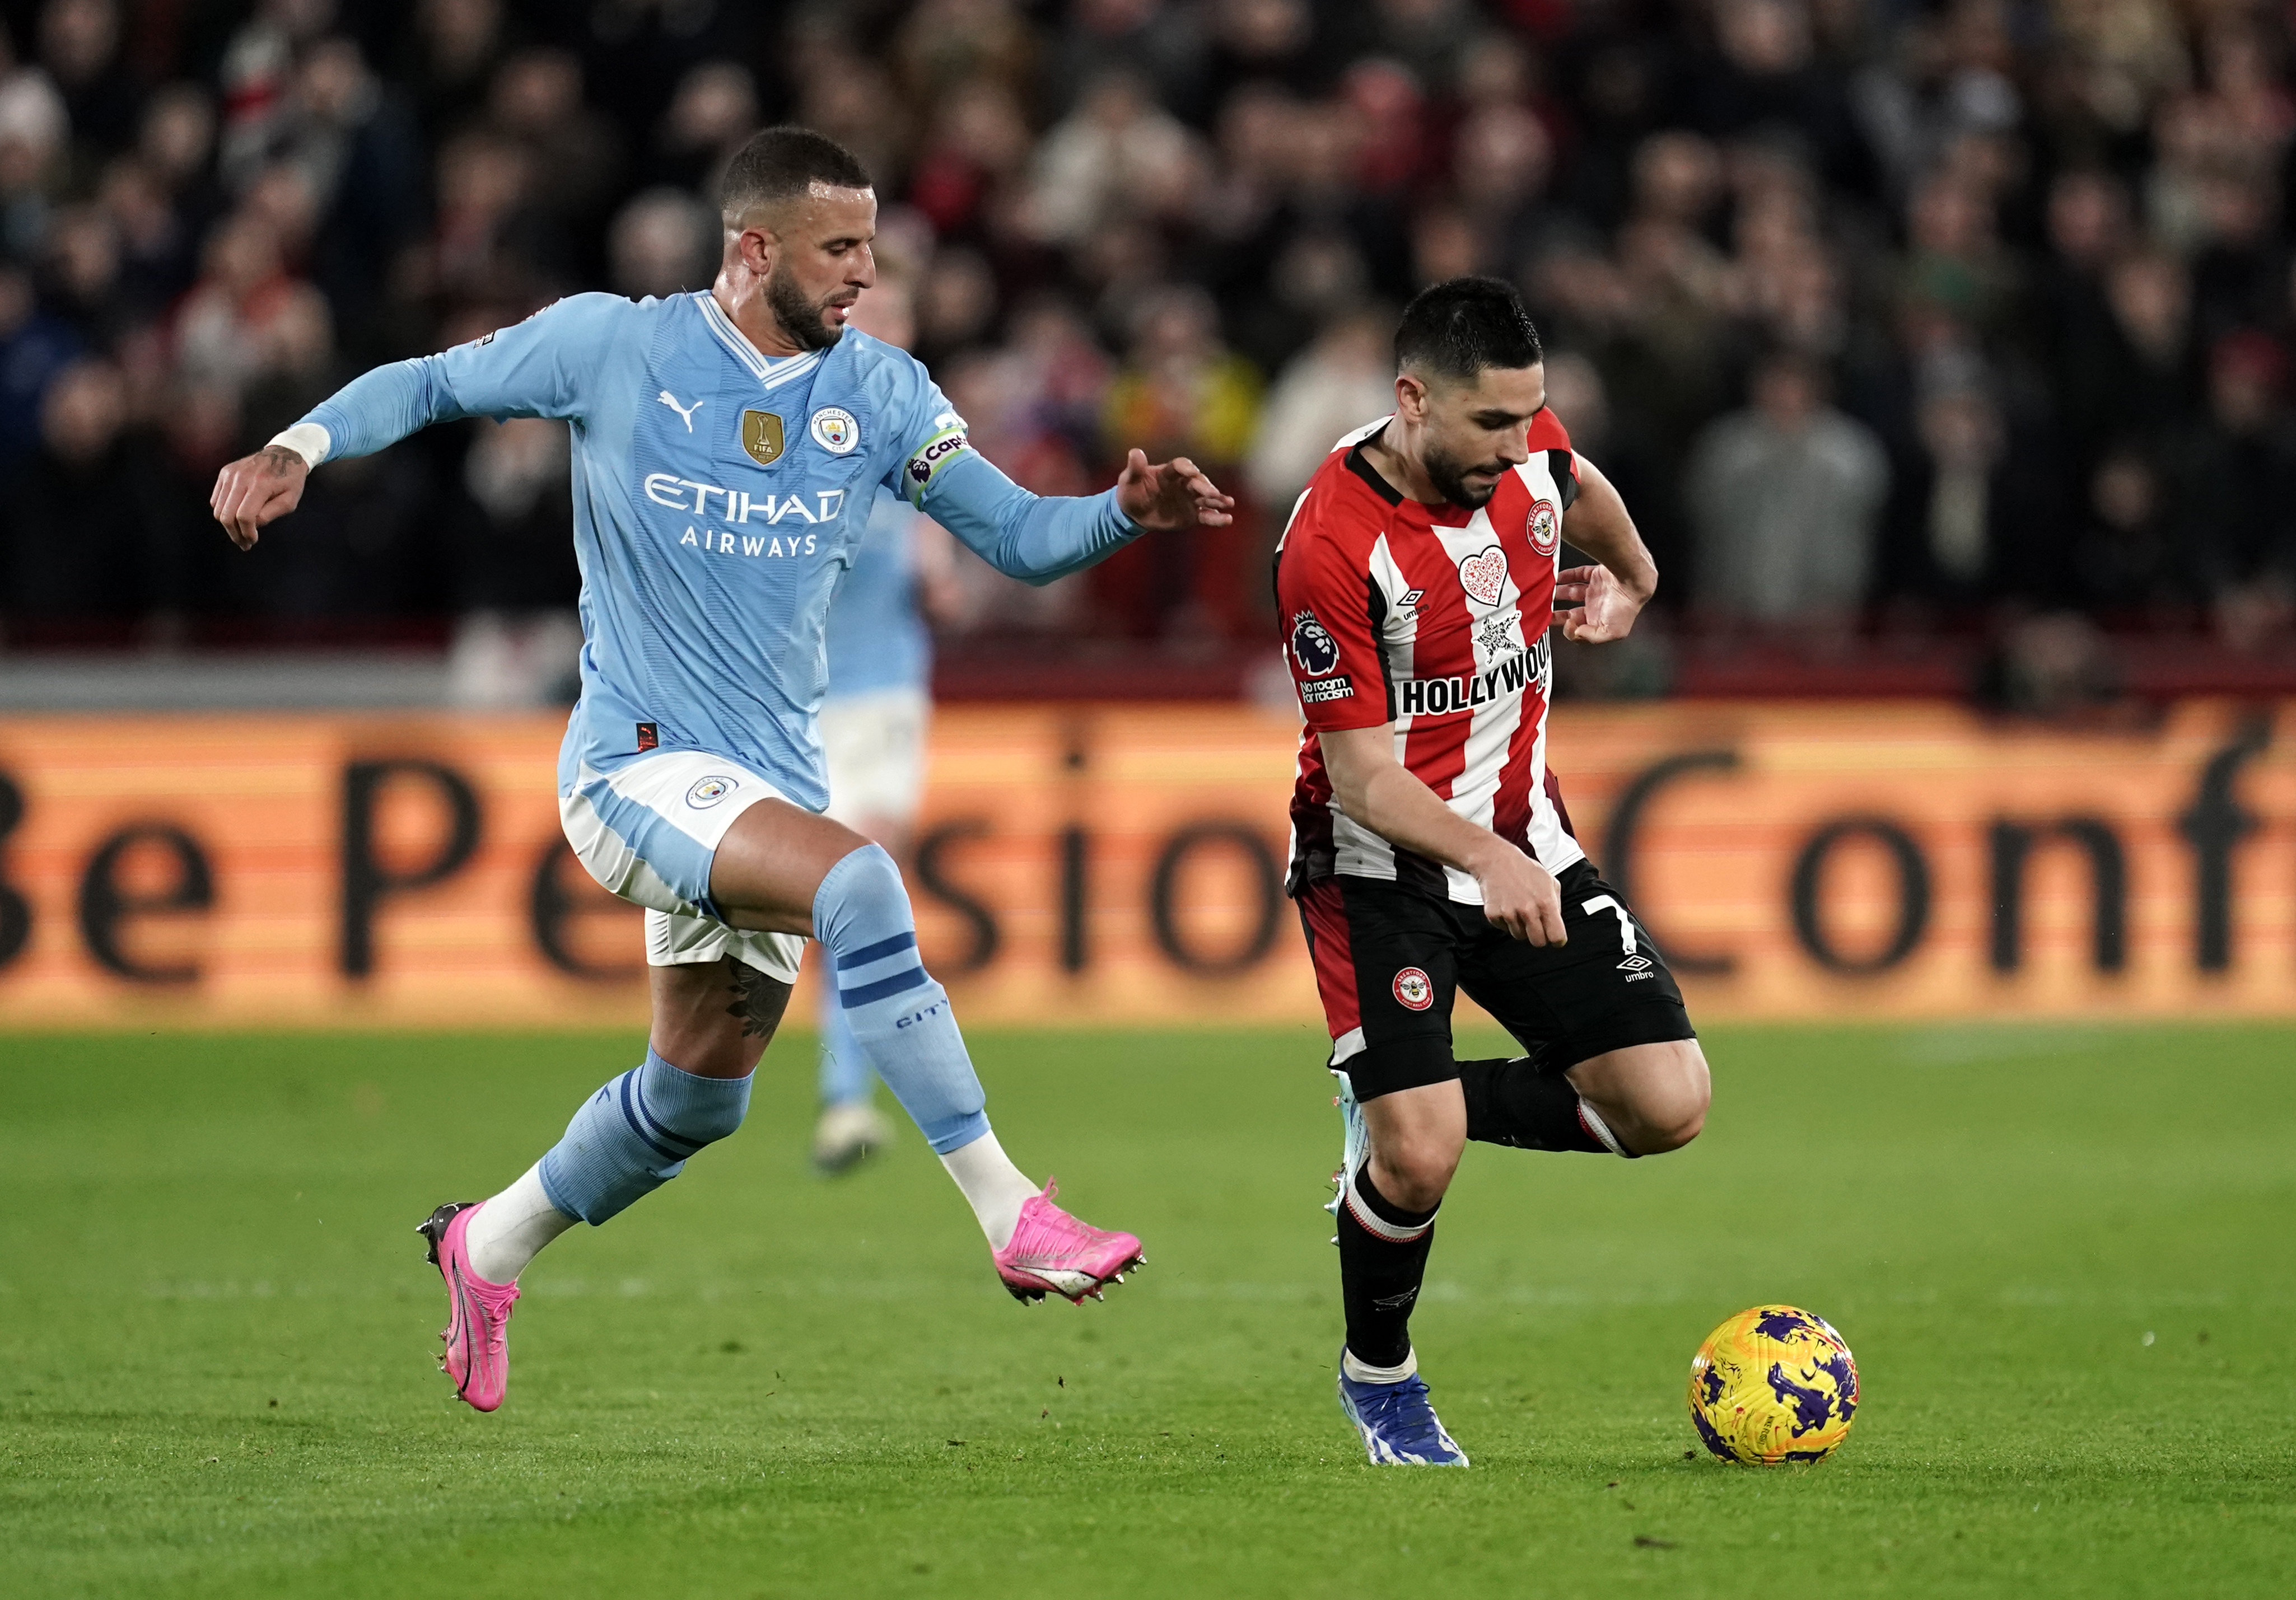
1435	619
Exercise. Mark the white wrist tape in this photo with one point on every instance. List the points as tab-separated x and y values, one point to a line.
306	439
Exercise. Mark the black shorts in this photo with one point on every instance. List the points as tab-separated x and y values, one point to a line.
1388	960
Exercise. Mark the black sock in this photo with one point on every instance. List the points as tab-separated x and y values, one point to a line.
1383	1256
1520	1104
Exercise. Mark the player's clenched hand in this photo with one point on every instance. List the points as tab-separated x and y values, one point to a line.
1592	606
1520	897
1169	496
256	490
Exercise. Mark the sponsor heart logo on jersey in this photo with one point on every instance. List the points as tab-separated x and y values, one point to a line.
1484	575
1545	528
1412	991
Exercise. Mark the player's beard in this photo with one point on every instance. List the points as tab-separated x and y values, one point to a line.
799	318
1448	473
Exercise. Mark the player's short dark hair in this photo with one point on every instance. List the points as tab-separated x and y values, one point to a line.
1454	329
778	162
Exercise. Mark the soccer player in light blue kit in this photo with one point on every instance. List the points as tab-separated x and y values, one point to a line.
727	449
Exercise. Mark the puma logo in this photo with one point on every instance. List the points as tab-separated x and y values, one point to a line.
685	413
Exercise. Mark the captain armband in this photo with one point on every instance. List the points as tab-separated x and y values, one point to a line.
933	457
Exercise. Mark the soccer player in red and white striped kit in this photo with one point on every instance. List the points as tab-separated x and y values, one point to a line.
1415	585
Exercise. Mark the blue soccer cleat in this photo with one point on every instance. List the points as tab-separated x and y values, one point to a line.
1399	1427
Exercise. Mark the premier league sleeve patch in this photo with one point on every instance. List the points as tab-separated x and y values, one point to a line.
930	459
1313	645
1317	654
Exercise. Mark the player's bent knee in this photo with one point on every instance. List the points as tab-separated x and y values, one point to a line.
1672	1112
863	890
1418	1171
1657	1138
668	1106
706	1124
1653	1096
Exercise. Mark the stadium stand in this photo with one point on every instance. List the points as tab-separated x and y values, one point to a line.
1939	349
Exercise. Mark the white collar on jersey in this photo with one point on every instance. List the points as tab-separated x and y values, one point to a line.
770	372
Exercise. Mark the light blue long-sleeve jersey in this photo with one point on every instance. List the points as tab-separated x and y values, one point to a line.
718	497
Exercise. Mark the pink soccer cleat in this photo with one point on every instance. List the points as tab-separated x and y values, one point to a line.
478	1313
1050	1250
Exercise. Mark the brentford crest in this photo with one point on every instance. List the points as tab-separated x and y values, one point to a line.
1545	528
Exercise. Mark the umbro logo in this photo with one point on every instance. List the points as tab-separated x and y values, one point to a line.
1635	964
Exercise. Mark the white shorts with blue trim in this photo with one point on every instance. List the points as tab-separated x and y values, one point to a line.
648	830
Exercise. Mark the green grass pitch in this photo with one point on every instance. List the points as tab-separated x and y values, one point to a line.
2064	1257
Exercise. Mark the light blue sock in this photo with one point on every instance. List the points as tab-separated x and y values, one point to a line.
634	1135
898	1014
845	1074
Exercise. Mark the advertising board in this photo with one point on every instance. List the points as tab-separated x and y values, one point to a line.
1082	865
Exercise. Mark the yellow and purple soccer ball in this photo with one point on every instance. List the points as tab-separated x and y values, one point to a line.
1771	1385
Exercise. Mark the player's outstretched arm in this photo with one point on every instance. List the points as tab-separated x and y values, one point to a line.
375	409
1597	605
539	368
1039	537
1376	790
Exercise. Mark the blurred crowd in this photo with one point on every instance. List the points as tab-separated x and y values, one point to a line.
1894	322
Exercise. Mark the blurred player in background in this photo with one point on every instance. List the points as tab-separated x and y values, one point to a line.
1416	584
873	723
728	447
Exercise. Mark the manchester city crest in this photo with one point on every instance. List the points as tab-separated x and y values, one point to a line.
835	429
707	791
761	437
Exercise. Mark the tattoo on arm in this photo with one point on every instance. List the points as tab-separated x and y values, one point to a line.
759	1001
